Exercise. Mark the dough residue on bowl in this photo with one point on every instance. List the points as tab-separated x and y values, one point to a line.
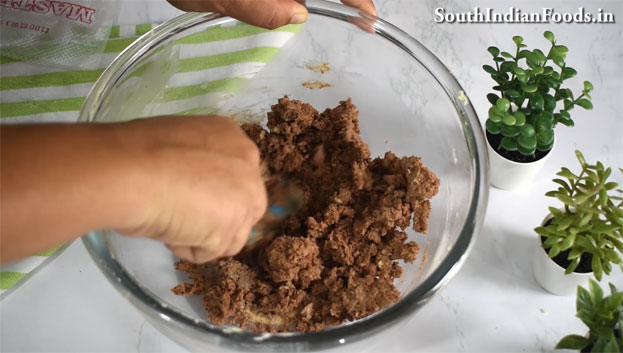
315	84
336	258
322	67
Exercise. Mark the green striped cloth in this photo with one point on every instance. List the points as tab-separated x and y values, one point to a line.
31	92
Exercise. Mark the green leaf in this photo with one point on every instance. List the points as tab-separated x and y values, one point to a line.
565	114
507	66
527	130
530	88
493	127
526	151
494	51
595	292
558	60
568	104
509	119
519	71
492	98
588	87
542	231
574	254
503	104
562	183
566	200
543	124
564	93
611	185
553	251
533	60
605	228
490	69
518	40
550	36
555	212
527	142
544	147
536	102
597	268
549	102
510	131
495	114
566	122
568	72
575	342
583	301
572	266
566	173
564	223
560	50
513	94
520	118
538	70
507	55
509	143
545	137
600	344
522	54
613	301
498	59
584	103
585	219
523	78
592	176
580	158
612	347
567	243
540	55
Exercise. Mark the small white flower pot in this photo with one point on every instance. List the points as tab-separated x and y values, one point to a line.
508	175
551	276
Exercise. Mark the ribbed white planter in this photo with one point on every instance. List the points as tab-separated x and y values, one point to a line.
508	175
551	276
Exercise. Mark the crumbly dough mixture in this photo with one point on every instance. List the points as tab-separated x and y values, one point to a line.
334	260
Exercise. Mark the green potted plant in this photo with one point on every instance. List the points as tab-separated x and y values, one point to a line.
604	318
584	238
529	102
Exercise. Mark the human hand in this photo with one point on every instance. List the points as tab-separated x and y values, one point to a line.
263	13
204	184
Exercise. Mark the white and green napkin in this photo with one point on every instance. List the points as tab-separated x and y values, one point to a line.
32	92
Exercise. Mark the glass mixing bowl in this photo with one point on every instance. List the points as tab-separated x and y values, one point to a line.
409	103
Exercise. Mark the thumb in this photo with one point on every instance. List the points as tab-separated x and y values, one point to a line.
269	14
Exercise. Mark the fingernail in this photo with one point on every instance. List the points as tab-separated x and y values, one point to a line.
298	18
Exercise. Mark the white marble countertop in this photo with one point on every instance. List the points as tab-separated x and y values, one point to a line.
493	304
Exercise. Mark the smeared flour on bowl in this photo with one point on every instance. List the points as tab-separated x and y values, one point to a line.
335	260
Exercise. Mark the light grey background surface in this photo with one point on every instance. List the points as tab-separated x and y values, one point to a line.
494	303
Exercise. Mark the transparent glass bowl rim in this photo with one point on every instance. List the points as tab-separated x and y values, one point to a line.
151	304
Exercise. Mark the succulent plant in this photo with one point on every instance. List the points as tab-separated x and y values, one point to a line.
604	318
591	221
526	110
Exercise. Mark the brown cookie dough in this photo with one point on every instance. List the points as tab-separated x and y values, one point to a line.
335	259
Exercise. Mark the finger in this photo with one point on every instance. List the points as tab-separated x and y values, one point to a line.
365	5
240	239
263	13
261	202
195	254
